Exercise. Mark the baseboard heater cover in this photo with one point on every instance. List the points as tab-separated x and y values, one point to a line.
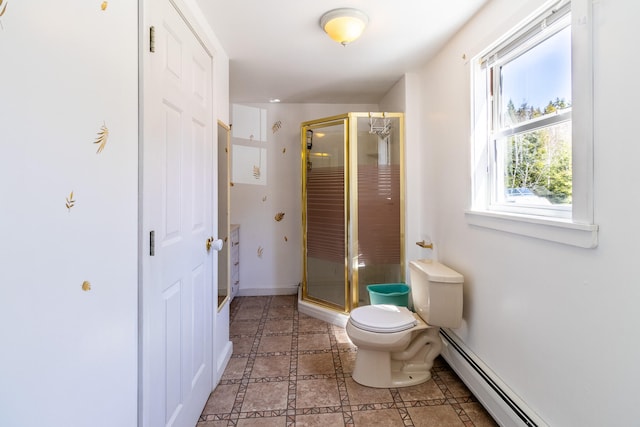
502	403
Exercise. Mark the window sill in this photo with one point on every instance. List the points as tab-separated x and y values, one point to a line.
554	230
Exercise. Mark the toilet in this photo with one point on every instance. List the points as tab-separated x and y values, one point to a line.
397	346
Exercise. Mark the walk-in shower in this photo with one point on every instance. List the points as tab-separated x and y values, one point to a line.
352	207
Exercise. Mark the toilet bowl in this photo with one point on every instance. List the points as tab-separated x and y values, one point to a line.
395	346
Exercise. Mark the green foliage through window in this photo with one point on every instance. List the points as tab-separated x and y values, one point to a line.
539	160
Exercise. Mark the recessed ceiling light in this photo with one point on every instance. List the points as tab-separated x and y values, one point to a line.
274	100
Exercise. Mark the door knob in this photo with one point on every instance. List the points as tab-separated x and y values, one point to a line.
215	243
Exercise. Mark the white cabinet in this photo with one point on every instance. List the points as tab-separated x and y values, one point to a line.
235	259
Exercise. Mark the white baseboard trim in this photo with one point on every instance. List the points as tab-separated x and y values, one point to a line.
498	399
222	362
255	292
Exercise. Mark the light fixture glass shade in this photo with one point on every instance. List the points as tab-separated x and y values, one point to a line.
344	25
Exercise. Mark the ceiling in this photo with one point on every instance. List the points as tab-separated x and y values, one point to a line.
277	49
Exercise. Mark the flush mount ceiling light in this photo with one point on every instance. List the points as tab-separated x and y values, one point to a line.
344	25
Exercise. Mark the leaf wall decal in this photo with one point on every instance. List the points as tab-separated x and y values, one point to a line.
103	135
70	202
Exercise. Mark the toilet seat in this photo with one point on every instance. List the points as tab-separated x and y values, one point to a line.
383	318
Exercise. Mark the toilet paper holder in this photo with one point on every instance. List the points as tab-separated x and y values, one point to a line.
422	244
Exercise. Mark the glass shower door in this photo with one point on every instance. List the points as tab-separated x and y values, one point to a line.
352	207
376	202
326	249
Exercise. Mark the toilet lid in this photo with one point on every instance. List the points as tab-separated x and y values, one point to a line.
382	318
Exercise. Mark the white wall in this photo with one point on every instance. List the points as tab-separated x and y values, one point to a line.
405	96
556	323
279	269
201	9
68	357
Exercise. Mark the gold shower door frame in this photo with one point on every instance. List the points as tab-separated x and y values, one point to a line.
351	259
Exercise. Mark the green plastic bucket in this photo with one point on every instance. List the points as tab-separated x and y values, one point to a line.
389	293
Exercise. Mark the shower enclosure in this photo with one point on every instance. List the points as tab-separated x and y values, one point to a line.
352	207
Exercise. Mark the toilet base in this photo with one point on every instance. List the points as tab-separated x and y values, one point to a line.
388	373
384	369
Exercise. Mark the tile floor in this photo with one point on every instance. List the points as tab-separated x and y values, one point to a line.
289	369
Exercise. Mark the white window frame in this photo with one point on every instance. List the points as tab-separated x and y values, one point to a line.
578	228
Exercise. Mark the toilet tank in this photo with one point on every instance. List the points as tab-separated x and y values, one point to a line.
436	292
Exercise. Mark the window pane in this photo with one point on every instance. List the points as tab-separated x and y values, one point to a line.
538	82
537	167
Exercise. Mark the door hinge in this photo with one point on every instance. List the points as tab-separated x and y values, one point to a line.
152	39
152	243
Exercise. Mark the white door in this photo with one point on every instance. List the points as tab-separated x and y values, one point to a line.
177	182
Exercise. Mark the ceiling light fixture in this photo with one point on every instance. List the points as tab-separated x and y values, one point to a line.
344	25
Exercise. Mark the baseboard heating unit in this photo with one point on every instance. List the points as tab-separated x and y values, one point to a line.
500	401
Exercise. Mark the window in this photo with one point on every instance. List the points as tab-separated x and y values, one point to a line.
529	155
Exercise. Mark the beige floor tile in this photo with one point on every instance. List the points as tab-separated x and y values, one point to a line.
347	359
263	422
310	324
265	396
280	312
250	313
275	344
253	302
435	416
478	415
313	342
381	417
317	401
319	420
243	327
242	345
316	364
221	400
284	300
279	326
426	391
359	394
235	368
317	393
454	384
272	366
342	339
222	423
